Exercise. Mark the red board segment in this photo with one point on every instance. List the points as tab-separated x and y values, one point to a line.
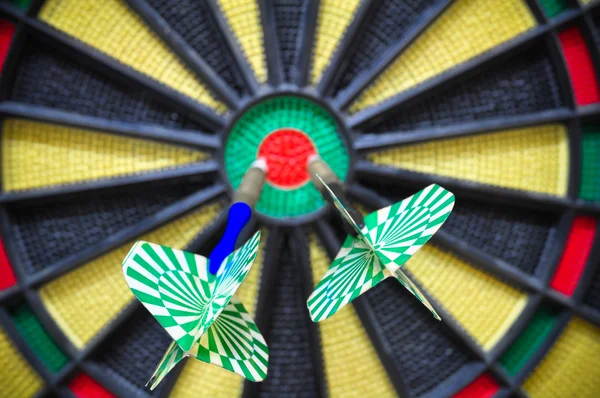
7	31
483	387
572	262
83	386
286	152
7	276
580	65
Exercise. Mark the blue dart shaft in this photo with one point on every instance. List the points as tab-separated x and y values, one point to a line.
238	216
240	213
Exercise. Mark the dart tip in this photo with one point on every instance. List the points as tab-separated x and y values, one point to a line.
312	158
260	163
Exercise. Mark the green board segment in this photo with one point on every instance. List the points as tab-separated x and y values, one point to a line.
529	341
38	339
22	4
270	116
590	164
553	7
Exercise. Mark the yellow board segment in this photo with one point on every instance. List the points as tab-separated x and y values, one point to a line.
36	155
74	299
465	30
111	27
531	159
206	380
334	18
210	380
243	17
352	366
18	378
571	369
485	307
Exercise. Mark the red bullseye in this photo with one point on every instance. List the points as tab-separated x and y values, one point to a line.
286	151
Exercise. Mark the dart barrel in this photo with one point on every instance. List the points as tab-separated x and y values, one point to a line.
252	183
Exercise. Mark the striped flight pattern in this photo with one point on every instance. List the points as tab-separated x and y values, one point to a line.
232	342
195	306
389	237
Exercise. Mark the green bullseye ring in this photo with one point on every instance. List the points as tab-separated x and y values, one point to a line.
283	126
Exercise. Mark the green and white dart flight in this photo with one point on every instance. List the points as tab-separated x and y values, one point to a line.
385	241
199	309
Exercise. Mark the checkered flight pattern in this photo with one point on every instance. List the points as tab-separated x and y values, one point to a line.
389	237
199	309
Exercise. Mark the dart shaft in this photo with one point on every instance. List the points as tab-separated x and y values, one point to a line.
240	212
317	166
252	183
333	191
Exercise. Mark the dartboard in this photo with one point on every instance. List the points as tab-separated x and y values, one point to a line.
136	120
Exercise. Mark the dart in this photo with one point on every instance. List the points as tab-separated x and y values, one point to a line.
197	309
192	297
378	245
